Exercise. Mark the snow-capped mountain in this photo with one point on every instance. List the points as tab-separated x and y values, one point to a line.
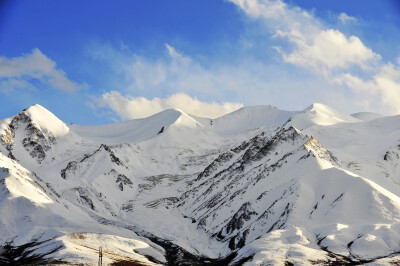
256	186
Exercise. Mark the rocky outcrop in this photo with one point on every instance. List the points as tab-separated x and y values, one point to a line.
33	139
73	166
123	180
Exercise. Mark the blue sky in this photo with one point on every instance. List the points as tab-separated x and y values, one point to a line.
94	62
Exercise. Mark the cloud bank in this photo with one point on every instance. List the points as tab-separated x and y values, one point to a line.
314	62
177	73
312	44
22	72
140	107
342	60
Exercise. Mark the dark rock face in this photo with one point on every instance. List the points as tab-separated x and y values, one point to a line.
165	202
161	131
113	158
393	154
73	166
123	180
176	255
33	139
236	223
222	158
229	180
85	197
238	241
26	254
70	169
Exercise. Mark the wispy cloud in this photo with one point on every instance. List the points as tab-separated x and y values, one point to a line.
176	73
385	84
344	18
343	60
21	72
139	107
315	63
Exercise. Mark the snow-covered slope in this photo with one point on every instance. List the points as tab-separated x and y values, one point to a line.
291	181
366	116
172	126
33	212
368	149
256	186
35	135
320	114
247	118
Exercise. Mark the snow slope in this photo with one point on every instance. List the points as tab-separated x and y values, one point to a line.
247	118
369	149
366	116
37	134
32	209
320	114
172	126
259	185
291	181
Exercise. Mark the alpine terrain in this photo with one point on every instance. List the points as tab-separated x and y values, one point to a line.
258	186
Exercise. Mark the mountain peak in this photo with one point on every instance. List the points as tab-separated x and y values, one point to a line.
46	121
167	126
250	118
35	129
318	107
34	106
321	114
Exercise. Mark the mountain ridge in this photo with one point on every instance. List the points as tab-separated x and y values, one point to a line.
259	184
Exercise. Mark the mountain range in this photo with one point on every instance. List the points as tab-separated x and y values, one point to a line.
258	186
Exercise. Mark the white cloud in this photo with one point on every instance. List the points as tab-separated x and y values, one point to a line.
8	85
130	107
278	17
312	45
248	81
344	18
179	73
384	85
334	61
328	50
176	56
18	72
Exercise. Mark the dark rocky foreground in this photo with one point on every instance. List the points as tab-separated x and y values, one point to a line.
27	254
175	255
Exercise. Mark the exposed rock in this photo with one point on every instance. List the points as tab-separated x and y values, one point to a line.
123	180
161	131
36	142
